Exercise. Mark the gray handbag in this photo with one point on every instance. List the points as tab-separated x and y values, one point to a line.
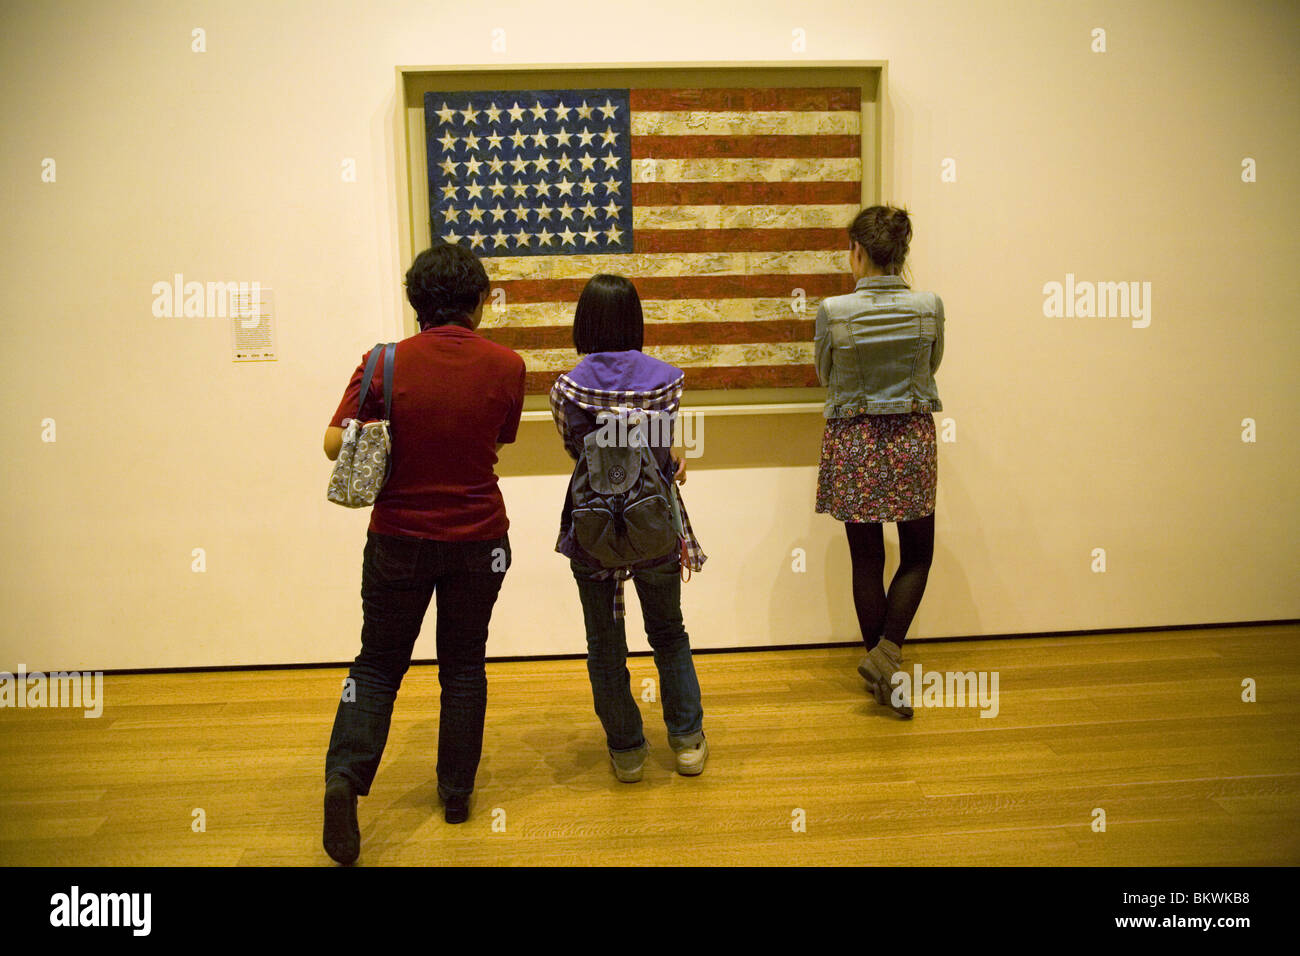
365	459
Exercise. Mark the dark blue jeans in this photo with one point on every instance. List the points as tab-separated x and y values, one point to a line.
659	590
399	576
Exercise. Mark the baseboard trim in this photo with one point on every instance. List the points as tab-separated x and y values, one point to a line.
747	649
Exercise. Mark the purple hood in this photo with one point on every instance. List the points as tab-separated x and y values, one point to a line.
629	371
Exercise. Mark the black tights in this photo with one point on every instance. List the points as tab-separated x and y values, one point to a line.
889	617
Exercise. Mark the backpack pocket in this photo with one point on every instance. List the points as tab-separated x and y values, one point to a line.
620	530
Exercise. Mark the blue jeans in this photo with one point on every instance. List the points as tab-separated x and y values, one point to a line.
399	577
659	590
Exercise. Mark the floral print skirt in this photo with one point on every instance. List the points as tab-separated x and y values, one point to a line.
878	468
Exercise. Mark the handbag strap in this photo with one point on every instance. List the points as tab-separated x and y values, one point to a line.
366	376
390	352
372	360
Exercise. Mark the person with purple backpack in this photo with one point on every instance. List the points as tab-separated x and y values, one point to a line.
622	518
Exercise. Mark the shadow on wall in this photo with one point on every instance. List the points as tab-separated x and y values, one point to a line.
947	594
736	441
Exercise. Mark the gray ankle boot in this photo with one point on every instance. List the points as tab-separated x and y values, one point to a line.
878	669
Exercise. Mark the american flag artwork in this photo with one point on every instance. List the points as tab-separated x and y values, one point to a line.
727	209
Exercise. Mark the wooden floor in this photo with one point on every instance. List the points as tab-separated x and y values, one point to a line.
1150	727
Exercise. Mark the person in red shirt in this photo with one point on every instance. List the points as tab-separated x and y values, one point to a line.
437	529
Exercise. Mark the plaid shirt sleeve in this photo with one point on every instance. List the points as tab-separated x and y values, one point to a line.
558	413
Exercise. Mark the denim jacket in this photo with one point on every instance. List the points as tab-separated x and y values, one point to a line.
877	349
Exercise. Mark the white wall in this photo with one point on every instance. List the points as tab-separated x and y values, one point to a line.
1072	434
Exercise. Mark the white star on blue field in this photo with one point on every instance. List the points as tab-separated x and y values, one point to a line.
531	172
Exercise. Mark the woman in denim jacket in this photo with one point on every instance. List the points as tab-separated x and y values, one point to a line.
877	350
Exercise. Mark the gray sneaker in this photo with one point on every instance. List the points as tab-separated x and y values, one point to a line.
628	764
690	760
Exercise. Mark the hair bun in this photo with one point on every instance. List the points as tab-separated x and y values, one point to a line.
884	233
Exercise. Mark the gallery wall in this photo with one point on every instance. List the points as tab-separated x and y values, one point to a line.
164	505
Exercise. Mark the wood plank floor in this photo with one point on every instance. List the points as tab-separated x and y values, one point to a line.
1149	727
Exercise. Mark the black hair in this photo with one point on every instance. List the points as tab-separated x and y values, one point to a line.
884	233
608	317
445	284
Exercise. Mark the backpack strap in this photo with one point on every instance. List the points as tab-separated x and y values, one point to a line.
683	570
677	508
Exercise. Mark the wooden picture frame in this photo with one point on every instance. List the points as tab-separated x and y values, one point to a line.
870	76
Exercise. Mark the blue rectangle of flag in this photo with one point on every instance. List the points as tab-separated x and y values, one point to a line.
531	172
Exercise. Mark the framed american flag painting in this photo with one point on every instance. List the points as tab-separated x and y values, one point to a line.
722	192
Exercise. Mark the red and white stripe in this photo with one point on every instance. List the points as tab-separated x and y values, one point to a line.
740	199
